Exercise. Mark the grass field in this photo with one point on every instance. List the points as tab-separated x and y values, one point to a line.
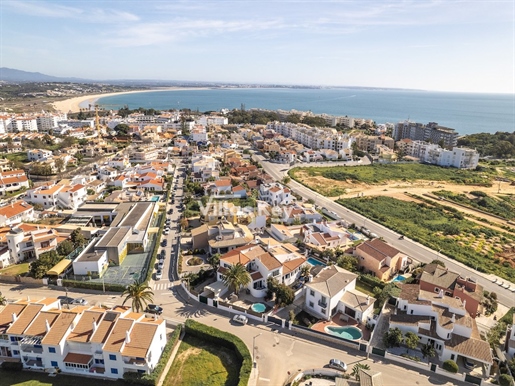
378	173
26	378
201	363
15	269
441	229
21	157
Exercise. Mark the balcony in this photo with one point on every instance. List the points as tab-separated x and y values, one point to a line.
31	349
322	303
140	362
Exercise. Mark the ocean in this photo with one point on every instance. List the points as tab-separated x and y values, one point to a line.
467	113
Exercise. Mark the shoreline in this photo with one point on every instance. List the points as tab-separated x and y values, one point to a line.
74	105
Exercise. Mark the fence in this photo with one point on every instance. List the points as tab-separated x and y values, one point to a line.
20	279
358	345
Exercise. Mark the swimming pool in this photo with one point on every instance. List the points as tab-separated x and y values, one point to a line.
155	198
258	307
313	261
399	279
346	332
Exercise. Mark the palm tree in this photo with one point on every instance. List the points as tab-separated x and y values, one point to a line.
305	271
140	294
357	367
3	300
236	277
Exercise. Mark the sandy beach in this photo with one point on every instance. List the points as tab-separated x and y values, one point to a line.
73	105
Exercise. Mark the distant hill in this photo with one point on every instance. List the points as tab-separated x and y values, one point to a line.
13	75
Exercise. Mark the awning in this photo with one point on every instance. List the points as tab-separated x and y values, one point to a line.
81	359
59	267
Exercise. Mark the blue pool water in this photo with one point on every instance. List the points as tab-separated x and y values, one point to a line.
347	332
258	307
399	278
313	261
155	198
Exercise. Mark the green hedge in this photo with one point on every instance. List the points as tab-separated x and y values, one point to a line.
227	340
157	245
12	366
94	285
152	378
450	366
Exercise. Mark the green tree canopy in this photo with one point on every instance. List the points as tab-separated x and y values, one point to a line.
393	337
139	293
236	277
411	340
65	248
77	238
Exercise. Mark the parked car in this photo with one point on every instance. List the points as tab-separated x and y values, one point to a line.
65	300
159	274
153	309
166	233
468	363
161	265
338	364
242	319
80	301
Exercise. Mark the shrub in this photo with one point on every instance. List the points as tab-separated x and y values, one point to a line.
505	380
450	366
12	366
94	285
227	340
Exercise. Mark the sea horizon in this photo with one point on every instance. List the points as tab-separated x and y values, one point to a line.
467	113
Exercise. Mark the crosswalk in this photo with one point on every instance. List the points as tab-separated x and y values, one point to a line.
162	286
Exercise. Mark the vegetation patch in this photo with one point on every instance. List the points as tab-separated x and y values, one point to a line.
499	206
31	378
202	363
379	173
441	229
15	269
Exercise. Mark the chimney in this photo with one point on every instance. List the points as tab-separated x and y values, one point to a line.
15	318
94	326
28	298
127	337
47	325
440	294
465	304
368	300
58	305
453	318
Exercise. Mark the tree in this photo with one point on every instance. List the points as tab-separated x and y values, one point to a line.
139	293
348	262
286	180
77	238
393	337
3	300
356	369
438	262
65	248
214	260
305	271
428	351
59	164
450	366
46	261
184	222
236	277
505	380
284	295
411	340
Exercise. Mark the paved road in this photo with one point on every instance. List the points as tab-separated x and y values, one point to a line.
413	249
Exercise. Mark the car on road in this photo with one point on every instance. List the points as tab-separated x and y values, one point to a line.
159	274
154	309
65	300
338	365
80	301
242	319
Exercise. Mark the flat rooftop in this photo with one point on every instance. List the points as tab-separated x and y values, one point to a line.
113	237
90	254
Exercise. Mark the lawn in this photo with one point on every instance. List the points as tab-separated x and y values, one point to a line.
20	157
15	269
441	229
26	378
379	173
202	363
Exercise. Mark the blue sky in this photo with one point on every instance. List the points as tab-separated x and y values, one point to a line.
443	45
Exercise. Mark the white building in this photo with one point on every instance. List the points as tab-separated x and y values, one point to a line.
275	194
26	245
65	196
443	322
82	340
12	181
333	290
206	120
23	124
38	154
199	134
15	213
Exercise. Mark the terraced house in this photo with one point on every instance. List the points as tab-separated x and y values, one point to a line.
81	340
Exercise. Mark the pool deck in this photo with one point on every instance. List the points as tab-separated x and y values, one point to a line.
335	321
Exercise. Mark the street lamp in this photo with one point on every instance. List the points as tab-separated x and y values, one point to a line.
254	349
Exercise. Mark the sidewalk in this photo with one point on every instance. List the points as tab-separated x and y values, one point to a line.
172	357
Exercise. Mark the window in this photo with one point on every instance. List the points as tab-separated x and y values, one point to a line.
312	293
311	304
53	363
51	350
16	352
437	289
112	357
114	371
